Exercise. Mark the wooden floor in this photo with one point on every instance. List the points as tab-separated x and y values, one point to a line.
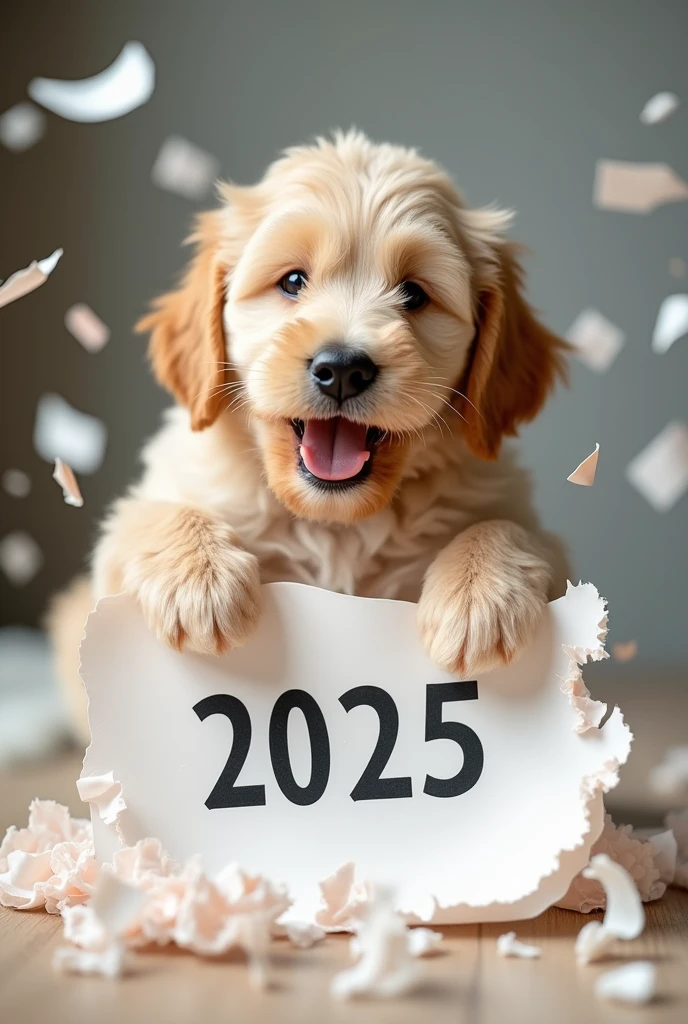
465	982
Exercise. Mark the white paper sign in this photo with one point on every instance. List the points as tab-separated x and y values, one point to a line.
331	737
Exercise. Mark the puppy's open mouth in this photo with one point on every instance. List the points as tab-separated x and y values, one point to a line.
335	453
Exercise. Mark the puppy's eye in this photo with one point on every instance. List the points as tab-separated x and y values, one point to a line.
413	295
292	283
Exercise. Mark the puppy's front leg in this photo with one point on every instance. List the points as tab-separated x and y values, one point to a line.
198	588
482	597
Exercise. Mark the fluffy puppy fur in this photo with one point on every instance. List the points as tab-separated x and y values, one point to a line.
437	515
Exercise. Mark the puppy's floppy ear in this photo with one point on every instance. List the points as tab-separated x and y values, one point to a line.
187	344
514	363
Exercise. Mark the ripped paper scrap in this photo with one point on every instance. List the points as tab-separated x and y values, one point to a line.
63	432
16	483
87	327
670	777
104	793
677	267
625	650
21	127
122	87
660	471
589	712
423	941
301	934
634	983
595	339
111	962
342	900
636	188
671	324
659	107
584	473
24	281
385	967
624	916
184	168
509	945
64	476
20	557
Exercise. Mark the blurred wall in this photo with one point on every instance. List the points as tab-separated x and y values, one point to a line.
516	99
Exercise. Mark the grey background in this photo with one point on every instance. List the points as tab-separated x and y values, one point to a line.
517	100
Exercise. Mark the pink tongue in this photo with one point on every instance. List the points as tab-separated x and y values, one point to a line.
334	449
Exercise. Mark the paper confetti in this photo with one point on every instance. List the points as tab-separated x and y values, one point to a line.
657	109
21	127
24	281
184	168
20	557
125	85
509	945
633	983
584	473
677	267
660	471
624	916
636	188
672	322
65	478
625	651
62	432
596	340
16	483
87	327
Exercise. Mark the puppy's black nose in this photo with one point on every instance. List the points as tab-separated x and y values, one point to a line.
342	373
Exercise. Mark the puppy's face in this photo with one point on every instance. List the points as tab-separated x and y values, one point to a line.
343	297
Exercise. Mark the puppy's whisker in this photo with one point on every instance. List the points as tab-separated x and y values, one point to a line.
454	390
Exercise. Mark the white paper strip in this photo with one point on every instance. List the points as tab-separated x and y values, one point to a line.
584	473
24	281
624	917
20	557
659	107
16	483
62	432
87	327
633	983
184	168
660	471
672	322
64	476
636	188
119	89
597	341
21	127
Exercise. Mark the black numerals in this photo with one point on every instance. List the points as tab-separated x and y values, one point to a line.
224	793
279	747
370	786
437	695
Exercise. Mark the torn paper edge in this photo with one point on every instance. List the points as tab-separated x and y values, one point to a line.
63	475
22	282
672	322
105	794
584	473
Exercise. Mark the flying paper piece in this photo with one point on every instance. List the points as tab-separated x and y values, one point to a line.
385	968
61	431
104	793
24	281
87	327
670	777
624	917
584	473
625	651
21	127
677	267
509	945
125	85
423	941
65	478
184	168
20	557
659	107
633	983
660	471
596	340
16	483
672	322
636	188
171	775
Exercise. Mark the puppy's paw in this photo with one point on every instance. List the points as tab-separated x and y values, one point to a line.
197	588
482	598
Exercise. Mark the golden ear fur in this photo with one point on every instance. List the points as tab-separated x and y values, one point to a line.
187	344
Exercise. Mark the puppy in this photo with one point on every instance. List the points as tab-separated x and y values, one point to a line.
349	346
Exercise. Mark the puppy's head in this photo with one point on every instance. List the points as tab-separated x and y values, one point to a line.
346	304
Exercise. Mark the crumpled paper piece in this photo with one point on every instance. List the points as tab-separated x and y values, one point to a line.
105	793
509	945
385	968
633	984
343	901
624	916
423	941
584	473
24	281
301	934
111	962
98	929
